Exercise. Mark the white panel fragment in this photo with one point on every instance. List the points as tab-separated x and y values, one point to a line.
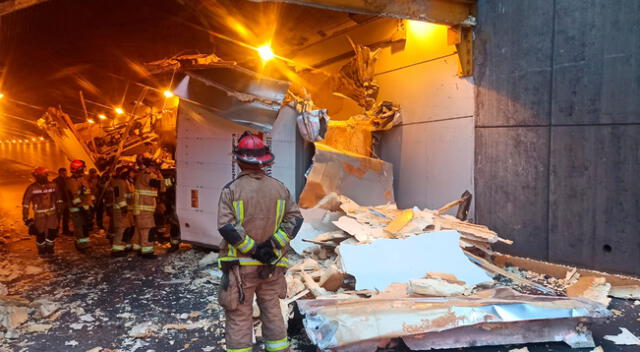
385	261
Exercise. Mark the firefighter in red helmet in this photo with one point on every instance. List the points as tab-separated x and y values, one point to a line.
80	203
46	200
257	217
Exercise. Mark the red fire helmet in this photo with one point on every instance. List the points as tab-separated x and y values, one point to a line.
251	150
39	171
76	166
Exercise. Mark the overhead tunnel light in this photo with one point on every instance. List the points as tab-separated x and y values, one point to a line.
266	53
102	116
118	110
168	94
1	95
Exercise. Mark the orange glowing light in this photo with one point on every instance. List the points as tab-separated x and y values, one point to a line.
90	121
33	139
265	52
102	116
168	94
118	110
1	95
420	28
42	138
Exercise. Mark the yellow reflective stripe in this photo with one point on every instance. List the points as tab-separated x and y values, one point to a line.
122	203
117	248
232	251
249	261
167	182
76	201
277	345
280	207
246	245
281	237
136	247
48	211
248	349
146	249
146	192
86	207
144	208
25	205
83	240
74	210
238	206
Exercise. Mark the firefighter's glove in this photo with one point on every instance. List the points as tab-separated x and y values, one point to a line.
28	221
243	243
264	253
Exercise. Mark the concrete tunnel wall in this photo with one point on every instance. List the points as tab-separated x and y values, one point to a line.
558	129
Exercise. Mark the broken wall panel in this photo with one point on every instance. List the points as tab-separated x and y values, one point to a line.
366	180
511	178
405	259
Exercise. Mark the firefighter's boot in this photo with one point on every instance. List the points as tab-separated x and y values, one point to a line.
42	248
82	243
49	246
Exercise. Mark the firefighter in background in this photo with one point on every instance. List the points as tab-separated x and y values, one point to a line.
108	200
257	218
61	182
97	186
129	233
147	184
80	203
121	190
47	203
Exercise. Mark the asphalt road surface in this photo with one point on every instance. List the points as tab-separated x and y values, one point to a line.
103	301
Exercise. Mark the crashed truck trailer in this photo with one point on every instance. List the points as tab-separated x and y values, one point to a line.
206	134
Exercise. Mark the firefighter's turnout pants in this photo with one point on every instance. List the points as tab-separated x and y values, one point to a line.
246	281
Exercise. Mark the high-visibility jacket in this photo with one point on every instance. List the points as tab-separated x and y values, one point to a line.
144	194
123	192
260	208
80	195
46	198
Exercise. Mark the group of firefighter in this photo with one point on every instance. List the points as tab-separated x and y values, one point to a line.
257	218
139	200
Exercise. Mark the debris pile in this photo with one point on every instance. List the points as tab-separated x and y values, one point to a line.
380	258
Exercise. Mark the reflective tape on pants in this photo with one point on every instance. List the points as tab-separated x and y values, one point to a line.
278	345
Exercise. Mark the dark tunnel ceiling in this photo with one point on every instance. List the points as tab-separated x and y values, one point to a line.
51	51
